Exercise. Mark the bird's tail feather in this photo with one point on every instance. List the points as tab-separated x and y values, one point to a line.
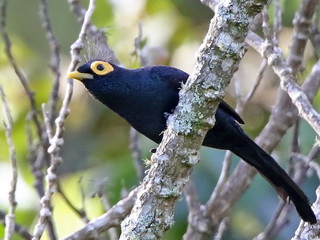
269	168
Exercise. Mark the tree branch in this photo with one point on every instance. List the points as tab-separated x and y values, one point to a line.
112	218
217	60
288	83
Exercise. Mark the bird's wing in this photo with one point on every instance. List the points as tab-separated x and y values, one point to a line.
175	77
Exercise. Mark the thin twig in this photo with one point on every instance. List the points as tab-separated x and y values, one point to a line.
45	218
112	218
288	82
316	168
295	146
267	31
57	141
35	157
225	172
138	46
134	135
55	59
8	122
247	98
192	198
42	156
277	21
100	192
23	79
136	153
301	22
46	118
314	37
222	228
197	214
80	212
22	231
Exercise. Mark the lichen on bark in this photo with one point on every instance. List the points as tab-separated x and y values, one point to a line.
217	60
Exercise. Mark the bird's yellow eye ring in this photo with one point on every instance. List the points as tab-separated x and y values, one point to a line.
101	68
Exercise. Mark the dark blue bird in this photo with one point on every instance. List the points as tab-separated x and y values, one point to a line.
145	96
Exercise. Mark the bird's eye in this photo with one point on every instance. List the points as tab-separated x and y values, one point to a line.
101	68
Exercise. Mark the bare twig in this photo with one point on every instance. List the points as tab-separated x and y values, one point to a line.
276	223
222	228
134	134
80	212
49	223
257	82
288	83
302	23
211	3
267	31
112	232
23	232
8	122
42	156
23	79
192	198
277	22
295	146
196	218
35	158
47	124
57	140
225	172
315	39
242	101
138	46
112	218
55	59
136	153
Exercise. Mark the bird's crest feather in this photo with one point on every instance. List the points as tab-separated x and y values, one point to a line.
98	50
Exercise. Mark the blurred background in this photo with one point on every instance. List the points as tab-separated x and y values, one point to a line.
96	149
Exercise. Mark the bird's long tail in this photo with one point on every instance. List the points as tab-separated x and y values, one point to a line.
269	168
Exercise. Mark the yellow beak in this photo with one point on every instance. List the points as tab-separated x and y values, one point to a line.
80	76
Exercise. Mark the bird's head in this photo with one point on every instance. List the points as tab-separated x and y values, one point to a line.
92	71
105	81
99	77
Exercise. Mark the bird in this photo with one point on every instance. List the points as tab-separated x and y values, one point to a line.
145	97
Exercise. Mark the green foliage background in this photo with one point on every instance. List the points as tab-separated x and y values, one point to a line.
96	140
